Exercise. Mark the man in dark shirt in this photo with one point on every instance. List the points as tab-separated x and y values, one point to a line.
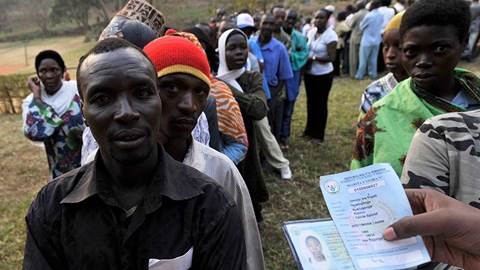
134	207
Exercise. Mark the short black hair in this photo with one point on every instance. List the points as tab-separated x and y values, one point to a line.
438	13
341	16
279	6
386	3
49	54
105	46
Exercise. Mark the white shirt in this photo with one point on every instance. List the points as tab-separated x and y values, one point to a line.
221	169
318	48
306	28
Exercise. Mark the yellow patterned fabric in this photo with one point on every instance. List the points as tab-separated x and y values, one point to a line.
230	121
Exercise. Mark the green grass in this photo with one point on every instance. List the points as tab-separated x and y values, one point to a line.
71	48
24	170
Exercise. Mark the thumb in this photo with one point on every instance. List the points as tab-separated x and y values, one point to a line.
425	224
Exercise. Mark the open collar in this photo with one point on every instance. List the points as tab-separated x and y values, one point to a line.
169	179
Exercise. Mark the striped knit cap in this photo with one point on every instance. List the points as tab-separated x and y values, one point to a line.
173	54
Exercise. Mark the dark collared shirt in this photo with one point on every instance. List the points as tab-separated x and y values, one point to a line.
75	222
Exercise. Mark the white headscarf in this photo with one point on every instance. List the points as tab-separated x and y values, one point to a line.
61	100
225	74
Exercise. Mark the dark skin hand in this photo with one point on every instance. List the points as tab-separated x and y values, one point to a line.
122	106
430	55
449	228
320	21
184	98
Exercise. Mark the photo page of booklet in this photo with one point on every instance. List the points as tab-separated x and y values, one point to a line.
316	245
362	204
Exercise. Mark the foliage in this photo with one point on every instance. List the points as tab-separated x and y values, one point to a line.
37	12
79	11
13	89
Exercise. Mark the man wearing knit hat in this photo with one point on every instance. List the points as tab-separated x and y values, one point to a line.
134	206
391	56
183	81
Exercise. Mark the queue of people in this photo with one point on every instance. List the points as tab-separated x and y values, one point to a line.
156	150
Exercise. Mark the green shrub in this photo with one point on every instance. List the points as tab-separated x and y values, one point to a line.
13	88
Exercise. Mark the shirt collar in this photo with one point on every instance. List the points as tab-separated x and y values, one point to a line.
268	46
169	180
193	158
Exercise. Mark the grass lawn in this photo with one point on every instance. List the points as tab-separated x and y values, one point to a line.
71	48
24	170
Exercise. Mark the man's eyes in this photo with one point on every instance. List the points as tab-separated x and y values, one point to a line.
171	88
440	49
144	92
100	100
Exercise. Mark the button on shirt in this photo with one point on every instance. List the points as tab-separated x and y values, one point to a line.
277	63
371	27
184	220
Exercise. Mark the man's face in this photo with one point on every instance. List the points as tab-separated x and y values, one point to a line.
279	14
430	54
50	73
236	51
121	104
184	98
266	26
290	21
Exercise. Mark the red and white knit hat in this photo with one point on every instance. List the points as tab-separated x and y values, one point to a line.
174	54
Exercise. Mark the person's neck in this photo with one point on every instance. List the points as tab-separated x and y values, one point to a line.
400	76
264	40
129	182
321	30
132	176
178	147
447	89
54	91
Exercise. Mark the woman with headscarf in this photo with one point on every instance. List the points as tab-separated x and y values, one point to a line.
247	88
52	113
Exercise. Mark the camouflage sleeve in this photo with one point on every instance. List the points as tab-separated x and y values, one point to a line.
427	163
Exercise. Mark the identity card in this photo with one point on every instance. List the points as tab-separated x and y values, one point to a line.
362	204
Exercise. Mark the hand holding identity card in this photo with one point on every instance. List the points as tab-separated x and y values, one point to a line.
362	204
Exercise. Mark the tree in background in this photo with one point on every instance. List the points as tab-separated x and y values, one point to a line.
79	11
38	12
6	6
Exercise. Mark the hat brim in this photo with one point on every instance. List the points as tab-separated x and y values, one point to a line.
246	26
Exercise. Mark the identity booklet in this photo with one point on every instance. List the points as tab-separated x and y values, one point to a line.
362	204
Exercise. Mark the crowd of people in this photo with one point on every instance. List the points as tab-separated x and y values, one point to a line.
157	151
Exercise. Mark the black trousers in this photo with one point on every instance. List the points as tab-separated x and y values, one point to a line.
318	89
275	113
